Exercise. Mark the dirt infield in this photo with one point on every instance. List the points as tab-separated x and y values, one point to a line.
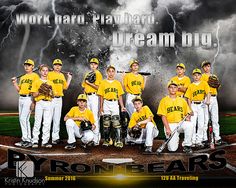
92	156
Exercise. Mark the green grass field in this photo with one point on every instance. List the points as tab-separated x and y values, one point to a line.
9	126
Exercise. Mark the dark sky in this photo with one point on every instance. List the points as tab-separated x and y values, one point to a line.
74	44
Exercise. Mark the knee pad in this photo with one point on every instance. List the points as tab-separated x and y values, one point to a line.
115	121
106	120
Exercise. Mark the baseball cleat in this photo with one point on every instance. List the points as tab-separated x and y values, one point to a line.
187	150
35	145
26	144
220	142
70	146
148	149
107	142
55	142
47	145
118	144
19	144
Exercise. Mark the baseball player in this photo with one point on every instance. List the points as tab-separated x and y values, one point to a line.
182	80
172	110
134	84
110	92
73	120
43	108
90	90
60	84
212	108
142	117
195	94
25	101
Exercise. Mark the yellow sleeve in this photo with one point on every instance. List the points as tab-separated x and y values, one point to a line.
188	93
132	121
101	90
98	78
70	113
120	89
161	109
148	112
91	117
34	87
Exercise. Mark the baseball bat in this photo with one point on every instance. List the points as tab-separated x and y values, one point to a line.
163	146
142	73
35	69
64	72
210	132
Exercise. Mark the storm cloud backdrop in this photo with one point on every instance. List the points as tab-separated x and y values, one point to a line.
75	44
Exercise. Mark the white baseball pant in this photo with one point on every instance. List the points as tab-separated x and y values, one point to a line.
74	132
111	107
198	122
43	109
147	135
93	105
129	104
56	117
186	128
24	116
214	112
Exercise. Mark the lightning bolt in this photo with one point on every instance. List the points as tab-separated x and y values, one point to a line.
12	9
56	30
218	46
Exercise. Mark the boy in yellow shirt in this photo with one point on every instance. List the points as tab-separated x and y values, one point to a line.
195	94
142	117
25	101
60	84
90	90
182	80
43	108
134	84
172	110
110	92
73	120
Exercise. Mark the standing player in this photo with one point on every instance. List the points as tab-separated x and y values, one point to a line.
73	120
60	84
182	80
172	110
43	108
110	92
212	108
143	118
134	84
195	94
90	88
25	101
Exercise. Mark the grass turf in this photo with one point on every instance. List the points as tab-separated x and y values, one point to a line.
9	126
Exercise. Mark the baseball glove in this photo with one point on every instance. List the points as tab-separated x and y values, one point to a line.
91	77
135	132
46	90
85	125
213	81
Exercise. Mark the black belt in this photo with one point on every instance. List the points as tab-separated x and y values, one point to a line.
57	96
135	94
25	95
111	99
213	95
91	93
45	100
197	102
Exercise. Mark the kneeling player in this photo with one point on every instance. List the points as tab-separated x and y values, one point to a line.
74	119
142	119
172	109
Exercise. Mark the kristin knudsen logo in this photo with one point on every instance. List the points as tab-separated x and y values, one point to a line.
24	169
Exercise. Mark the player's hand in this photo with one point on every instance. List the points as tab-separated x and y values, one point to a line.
123	109
207	103
69	75
101	112
191	113
14	79
188	118
168	132
93	127
32	106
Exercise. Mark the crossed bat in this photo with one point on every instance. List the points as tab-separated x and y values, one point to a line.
142	73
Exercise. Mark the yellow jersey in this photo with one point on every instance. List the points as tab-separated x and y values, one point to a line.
133	83
35	87
142	115
197	91
25	83
173	109
88	88
205	78
184	81
75	112
59	81
110	89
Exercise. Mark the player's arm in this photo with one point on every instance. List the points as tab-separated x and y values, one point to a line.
144	82
91	84
68	81
166	125
75	118
101	105
14	82
149	119
189	104
121	104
